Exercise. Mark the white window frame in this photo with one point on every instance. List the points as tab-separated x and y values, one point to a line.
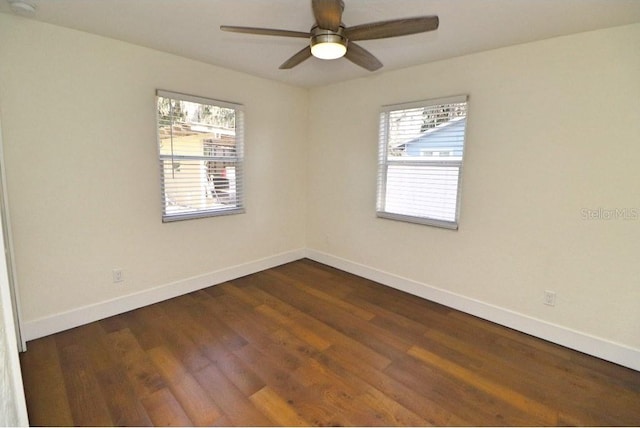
384	163
238	160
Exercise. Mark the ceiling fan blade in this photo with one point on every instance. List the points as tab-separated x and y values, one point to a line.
297	58
328	13
392	28
362	57
264	31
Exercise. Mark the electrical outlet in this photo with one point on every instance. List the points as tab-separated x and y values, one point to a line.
118	275
549	298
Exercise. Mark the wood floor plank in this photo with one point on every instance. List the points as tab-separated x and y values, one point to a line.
146	336
577	384
365	405
195	401
278	410
219	332
216	341
142	375
289	387
319	293
240	318
244	321
316	333
307	344
329	280
166	322
336	397
91	338
238	372
164	410
88	406
355	372
419	310
351	398
124	406
459	399
114	323
498	332
289	322
305	334
526	404
235	405
335	318
232	289
45	391
531	376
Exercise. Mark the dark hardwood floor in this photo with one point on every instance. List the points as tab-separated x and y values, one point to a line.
305	344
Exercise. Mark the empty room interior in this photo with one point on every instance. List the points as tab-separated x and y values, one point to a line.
210	217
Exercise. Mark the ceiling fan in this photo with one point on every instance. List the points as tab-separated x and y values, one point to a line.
330	39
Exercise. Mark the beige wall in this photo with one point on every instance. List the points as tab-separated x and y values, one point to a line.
553	128
83	175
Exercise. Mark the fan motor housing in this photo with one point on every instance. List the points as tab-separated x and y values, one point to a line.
328	44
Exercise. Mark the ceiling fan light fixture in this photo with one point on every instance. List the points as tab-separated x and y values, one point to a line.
326	44
330	39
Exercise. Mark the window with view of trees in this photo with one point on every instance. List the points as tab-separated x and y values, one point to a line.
421	147
201	156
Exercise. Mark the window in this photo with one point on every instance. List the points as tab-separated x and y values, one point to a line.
421	148
201	156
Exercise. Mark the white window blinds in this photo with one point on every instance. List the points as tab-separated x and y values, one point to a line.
421	148
200	145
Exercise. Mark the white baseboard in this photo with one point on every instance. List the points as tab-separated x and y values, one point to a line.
87	314
592	345
596	346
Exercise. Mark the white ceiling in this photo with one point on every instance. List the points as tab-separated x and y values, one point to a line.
190	28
